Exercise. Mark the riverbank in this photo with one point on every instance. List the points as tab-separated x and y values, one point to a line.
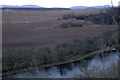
93	68
66	60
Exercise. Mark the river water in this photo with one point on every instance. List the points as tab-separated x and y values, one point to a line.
81	68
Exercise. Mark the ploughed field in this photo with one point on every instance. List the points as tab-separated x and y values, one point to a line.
24	29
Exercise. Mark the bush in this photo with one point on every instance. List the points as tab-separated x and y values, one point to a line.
81	17
78	47
68	25
14	59
68	16
64	49
110	37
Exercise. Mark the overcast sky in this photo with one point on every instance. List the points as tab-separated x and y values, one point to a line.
59	3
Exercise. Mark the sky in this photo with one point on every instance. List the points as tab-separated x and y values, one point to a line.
59	3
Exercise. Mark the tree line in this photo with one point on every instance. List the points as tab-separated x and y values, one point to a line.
103	18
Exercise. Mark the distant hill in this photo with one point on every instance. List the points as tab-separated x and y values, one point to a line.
32	6
84	7
36	6
10	6
23	6
78	7
102	6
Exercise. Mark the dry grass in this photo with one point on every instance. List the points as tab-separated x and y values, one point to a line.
22	36
40	16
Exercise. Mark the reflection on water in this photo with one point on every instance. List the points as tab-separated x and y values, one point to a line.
74	69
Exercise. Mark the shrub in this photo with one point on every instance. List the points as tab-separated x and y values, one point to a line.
68	25
68	16
64	49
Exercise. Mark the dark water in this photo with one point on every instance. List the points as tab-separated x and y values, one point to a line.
74	69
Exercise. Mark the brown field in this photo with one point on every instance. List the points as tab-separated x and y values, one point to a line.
22	29
40	16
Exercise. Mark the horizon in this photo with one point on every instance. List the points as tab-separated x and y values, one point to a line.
59	3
